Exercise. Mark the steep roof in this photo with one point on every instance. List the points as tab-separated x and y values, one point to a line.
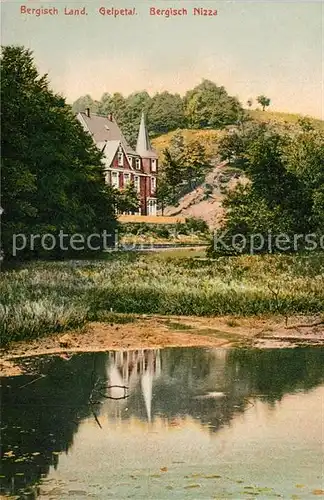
109	150
144	147
103	129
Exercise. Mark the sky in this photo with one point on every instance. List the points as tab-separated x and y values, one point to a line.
269	47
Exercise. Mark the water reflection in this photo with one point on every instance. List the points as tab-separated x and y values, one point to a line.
42	413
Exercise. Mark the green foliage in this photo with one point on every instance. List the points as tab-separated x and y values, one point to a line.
209	106
185	165
205	106
264	101
127	199
192	226
164	190
165	113
84	102
197	225
52	173
231	148
136	104
285	192
115	104
70	293
195	163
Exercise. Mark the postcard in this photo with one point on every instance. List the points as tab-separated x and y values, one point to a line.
162	237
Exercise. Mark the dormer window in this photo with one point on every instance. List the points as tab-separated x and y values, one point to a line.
130	160
153	165
120	158
138	164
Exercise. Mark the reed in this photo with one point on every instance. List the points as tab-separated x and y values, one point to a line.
46	297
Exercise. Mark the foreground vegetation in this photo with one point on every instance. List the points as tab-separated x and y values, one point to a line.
191	232
45	297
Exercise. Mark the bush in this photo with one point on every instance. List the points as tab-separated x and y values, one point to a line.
197	225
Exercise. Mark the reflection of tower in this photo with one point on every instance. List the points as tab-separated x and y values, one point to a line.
128	368
147	383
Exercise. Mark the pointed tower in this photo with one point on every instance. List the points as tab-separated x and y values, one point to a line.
143	147
149	160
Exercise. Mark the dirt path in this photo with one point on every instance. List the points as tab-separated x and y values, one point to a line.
172	331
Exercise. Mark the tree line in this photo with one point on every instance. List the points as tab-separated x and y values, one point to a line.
205	106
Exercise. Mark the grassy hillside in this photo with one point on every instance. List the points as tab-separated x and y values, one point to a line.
282	118
209	138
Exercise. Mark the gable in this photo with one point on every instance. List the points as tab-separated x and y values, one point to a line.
110	151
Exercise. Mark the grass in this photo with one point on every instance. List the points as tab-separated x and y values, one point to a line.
282	118
210	138
191	232
46	297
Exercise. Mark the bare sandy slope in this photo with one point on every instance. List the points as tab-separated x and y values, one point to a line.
172	331
205	201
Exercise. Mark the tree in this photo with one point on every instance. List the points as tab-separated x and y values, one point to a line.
136	104
165	113
304	157
84	102
263	101
209	106
177	147
285	192
172	171
231	148
127	199
52	172
249	102
194	162
163	192
114	104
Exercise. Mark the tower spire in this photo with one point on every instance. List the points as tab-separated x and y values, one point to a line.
143	142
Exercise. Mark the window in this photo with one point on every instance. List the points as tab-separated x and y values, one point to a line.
153	183
130	159
137	183
153	165
114	179
120	158
126	178
138	164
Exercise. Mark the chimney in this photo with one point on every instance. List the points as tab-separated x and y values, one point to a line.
110	117
88	112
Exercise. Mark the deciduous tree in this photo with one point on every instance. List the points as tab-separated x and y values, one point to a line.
210	106
52	172
263	101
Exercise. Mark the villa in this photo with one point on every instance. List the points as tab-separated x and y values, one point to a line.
123	164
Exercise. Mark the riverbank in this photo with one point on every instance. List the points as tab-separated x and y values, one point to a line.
48	298
148	332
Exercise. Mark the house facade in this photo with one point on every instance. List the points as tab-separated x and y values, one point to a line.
123	164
